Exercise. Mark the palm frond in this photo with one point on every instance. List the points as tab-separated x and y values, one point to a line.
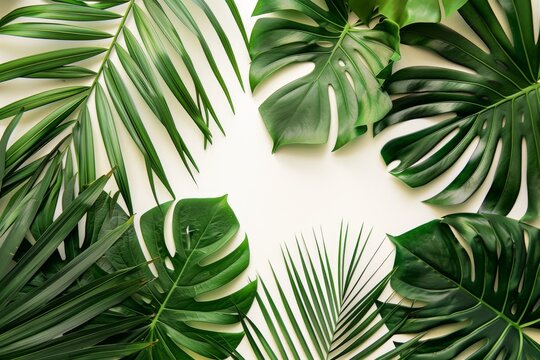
332	312
148	57
49	305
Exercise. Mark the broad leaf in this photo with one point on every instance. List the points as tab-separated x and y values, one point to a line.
476	275
336	303
406	12
347	57
495	100
201	229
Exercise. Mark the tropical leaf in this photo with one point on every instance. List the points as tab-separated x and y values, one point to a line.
46	301
405	12
80	20
201	229
336	302
495	100
347	57
477	276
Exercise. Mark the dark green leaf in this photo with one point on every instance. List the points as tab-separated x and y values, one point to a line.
48	242
496	101
112	145
201	229
475	274
41	99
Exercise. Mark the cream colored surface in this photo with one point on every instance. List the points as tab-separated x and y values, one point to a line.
274	196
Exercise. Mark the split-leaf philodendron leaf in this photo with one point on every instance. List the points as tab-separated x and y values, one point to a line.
491	106
476	272
347	57
201	229
405	12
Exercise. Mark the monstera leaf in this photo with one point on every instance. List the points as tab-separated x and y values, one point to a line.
183	320
336	302
494	100
478	273
348	57
406	12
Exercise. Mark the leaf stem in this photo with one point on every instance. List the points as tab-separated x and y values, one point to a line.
111	47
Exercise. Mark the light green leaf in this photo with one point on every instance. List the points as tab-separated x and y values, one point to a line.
53	31
59	12
338	318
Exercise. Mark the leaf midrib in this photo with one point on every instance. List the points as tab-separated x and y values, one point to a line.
459	286
163	305
342	36
111	47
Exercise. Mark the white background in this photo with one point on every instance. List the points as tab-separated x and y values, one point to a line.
275	197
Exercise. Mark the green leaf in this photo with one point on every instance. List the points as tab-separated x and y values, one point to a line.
63	72
184	15
405	12
112	145
41	99
201	230
365	9
338	318
4	143
68	312
40	134
168	72
132	121
45	61
139	70
20	218
169	31
84	148
63	278
495	100
348	58
59	12
53	31
475	274
48	242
